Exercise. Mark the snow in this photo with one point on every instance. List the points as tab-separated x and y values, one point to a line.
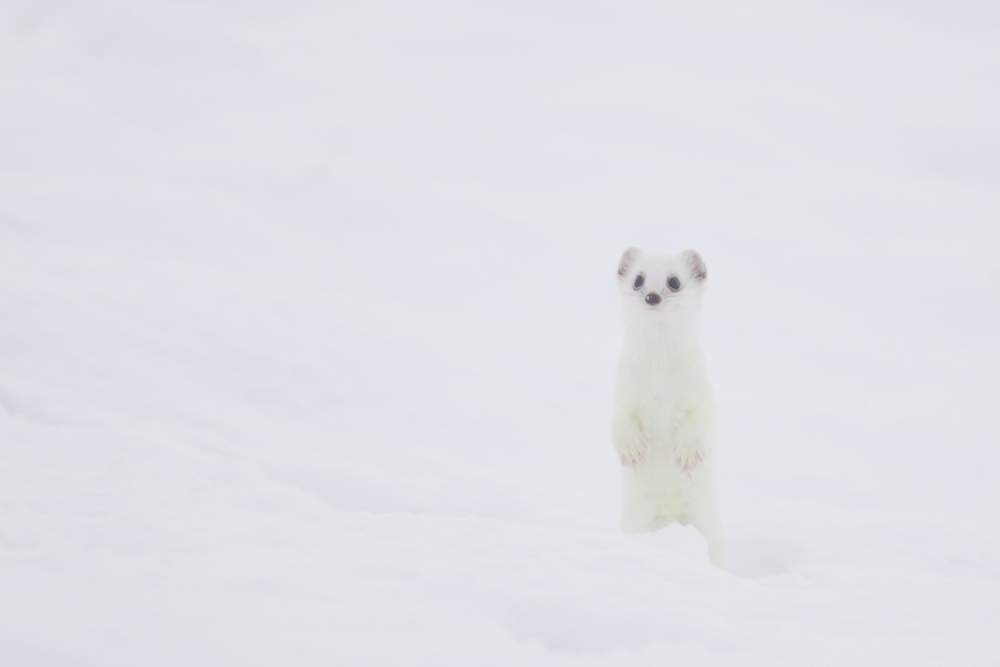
308	329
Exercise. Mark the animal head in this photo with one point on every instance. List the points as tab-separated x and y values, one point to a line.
667	287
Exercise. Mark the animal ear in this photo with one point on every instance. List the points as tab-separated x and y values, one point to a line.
627	260
696	264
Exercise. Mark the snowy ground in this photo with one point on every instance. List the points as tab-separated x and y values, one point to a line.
308	328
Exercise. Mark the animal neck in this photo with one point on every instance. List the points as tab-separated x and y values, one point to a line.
666	338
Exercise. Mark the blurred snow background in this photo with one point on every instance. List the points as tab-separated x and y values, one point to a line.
308	328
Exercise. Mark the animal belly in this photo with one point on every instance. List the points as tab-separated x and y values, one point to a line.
656	493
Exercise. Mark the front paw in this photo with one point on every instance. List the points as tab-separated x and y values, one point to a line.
688	456
632	450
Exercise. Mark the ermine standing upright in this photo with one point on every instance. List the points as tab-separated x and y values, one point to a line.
664	417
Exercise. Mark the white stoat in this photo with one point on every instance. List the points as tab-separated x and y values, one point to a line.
664	418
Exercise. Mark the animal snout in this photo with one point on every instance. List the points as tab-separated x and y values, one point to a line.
652	299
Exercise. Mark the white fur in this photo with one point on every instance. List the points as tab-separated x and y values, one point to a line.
664	418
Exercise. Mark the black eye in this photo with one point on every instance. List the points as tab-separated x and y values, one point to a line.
639	280
673	283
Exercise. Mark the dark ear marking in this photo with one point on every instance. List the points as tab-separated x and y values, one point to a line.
627	260
696	263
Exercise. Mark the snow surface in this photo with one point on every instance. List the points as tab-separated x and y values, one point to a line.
308	329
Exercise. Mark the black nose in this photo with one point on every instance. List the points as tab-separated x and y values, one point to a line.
652	299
